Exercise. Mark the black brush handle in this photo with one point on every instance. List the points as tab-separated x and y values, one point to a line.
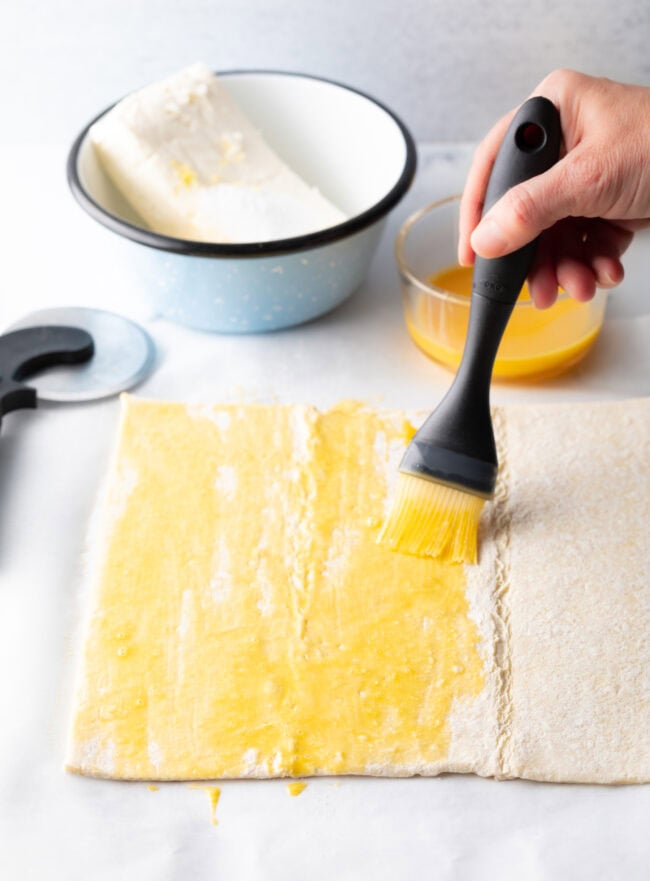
530	147
456	443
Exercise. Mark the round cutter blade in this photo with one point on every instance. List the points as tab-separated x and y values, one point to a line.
124	355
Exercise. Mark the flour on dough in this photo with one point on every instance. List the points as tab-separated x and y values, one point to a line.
244	622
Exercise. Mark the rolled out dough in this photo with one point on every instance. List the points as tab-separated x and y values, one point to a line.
243	620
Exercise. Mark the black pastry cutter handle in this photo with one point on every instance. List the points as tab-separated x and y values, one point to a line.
24	352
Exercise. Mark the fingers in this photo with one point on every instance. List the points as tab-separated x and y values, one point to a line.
542	280
603	244
609	272
471	206
526	210
603	173
633	225
576	278
555	87
578	255
624	231
582	208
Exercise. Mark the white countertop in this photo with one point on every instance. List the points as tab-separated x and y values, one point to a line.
53	825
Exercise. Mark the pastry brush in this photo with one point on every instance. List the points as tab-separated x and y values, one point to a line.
449	469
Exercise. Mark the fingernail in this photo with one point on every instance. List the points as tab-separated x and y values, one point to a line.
488	239
608	280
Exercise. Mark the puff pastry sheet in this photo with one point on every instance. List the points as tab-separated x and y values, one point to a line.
243	622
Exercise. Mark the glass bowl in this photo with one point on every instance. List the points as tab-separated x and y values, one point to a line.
537	343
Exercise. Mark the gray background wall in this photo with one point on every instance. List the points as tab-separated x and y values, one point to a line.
450	67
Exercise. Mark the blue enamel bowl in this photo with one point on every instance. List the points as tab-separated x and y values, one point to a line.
353	148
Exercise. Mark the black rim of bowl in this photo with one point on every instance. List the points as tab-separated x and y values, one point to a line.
249	249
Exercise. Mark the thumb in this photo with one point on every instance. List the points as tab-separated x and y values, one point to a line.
527	209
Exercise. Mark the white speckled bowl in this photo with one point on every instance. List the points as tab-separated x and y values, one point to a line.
355	150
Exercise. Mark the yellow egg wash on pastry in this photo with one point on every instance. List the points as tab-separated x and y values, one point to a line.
245	622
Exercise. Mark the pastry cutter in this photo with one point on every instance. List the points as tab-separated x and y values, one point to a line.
71	354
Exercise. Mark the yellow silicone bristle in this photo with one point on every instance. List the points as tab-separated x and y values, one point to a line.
431	519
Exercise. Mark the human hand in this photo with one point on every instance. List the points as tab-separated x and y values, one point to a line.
586	207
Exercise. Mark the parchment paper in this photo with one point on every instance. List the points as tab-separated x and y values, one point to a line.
53	825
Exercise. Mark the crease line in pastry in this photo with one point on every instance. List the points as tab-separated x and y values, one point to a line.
502	523
304	425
